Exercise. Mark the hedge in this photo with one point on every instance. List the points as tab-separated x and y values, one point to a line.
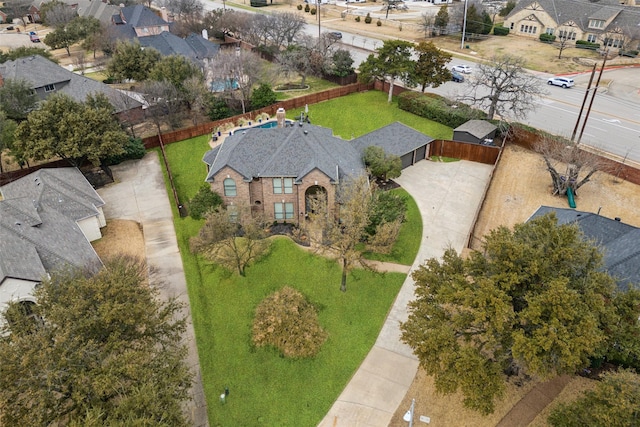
547	38
500	31
438	109
583	44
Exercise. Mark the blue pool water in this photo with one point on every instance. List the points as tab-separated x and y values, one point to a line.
266	125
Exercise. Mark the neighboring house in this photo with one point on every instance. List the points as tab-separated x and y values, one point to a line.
3	17
619	242
138	21
399	140
46	78
47	220
100	10
475	131
606	22
278	171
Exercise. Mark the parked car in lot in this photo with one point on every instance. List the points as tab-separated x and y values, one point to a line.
461	69
336	35
560	81
34	37
457	77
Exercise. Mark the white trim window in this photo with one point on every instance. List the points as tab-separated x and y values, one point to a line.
230	187
596	23
283	211
282	185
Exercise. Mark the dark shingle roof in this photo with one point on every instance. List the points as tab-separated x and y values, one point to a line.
38	224
40	72
619	242
292	151
477	128
397	139
193	47
141	16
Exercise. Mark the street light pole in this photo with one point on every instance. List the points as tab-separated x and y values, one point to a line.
318	10
464	25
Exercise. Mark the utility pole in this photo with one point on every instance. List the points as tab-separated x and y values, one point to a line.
464	25
595	89
584	101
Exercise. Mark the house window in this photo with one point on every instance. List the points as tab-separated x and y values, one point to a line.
229	187
550	31
591	38
529	29
596	23
283	210
566	35
282	185
609	42
511	26
49	88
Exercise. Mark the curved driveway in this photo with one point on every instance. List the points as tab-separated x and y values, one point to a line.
449	195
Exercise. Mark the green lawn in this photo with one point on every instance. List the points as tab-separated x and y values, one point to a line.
266	389
354	115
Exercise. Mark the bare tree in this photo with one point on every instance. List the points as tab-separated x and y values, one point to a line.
302	59
57	14
194	94
426	24
18	9
232	238
284	28
503	88
164	103
568	165
339	234
565	35
184	8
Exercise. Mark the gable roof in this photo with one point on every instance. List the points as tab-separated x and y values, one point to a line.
100	10
38	224
477	128
292	151
141	16
40	72
619	242
193	47
397	139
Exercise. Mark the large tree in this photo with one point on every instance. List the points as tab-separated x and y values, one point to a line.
17	98
7	135
503	87
380	164
72	32
442	19
615	401
391	62
96	349
131	62
534	301
57	14
72	130
232	238
174	69
431	66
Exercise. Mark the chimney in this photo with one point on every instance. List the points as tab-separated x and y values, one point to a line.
205	34
280	117
164	14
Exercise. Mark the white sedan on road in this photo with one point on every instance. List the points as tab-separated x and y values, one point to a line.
560	81
461	69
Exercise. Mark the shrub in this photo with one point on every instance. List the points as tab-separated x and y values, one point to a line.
387	207
262	96
204	201
313	11
438	109
287	321
357	19
547	38
134	149
307	8
379	23
583	44
299	7
499	30
367	19
629	53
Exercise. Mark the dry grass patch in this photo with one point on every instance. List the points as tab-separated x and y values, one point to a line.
121	237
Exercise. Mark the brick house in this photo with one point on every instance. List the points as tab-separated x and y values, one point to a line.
277	171
609	23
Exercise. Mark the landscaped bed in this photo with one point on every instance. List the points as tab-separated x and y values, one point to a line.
266	388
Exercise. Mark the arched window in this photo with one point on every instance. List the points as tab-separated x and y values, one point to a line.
229	187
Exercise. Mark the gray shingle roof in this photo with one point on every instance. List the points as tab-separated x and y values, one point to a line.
99	10
40	72
619	242
141	16
193	47
38	224
477	128
397	139
290	152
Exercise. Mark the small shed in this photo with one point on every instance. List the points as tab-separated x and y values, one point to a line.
475	132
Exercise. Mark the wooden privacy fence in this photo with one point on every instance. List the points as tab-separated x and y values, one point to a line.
487	154
299	102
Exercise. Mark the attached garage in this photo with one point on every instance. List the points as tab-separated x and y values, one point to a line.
397	139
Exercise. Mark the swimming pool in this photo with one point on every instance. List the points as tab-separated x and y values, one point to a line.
266	125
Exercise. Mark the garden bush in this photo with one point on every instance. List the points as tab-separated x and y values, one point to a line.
288	322
438	109
134	149
583	44
299	7
357	19
387	207
313	11
379	23
262	96
499	30
204	201
547	38
367	19
307	8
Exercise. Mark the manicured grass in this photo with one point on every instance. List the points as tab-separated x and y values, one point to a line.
96	75
357	114
266	389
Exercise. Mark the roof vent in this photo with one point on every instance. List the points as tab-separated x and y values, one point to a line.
618	219
18	223
305	132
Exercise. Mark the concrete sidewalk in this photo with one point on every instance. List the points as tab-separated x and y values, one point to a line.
448	195
139	194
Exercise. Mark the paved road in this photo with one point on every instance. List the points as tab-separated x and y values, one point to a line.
139	194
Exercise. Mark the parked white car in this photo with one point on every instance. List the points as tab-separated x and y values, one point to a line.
461	69
560	81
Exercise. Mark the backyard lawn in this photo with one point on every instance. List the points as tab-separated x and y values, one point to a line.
265	388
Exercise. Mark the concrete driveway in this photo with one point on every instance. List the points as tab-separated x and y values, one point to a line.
449	195
139	194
